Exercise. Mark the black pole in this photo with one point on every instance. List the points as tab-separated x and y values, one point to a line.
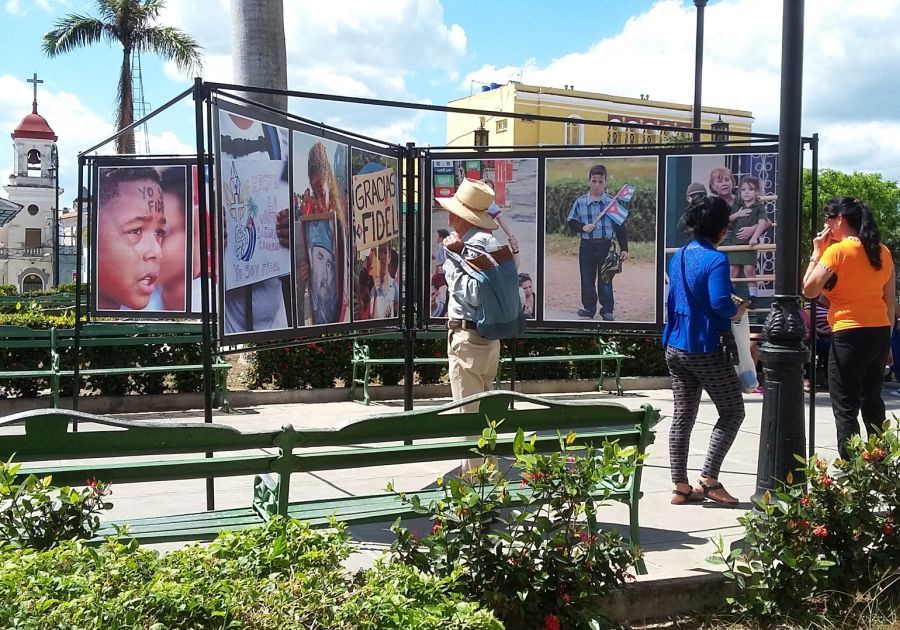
206	343
409	238
813	228
698	68
84	202
783	354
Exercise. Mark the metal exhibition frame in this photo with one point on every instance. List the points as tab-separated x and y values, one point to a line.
414	195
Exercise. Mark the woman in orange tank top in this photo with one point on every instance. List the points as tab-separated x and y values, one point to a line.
852	267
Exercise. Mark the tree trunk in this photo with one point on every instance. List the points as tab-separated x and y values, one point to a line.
259	54
125	115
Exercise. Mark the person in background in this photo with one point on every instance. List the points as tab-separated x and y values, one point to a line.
699	307
895	351
526	293
823	337
854	269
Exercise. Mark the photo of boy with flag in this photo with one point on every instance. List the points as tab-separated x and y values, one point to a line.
596	218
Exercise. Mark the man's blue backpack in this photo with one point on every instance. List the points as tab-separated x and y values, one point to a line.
499	316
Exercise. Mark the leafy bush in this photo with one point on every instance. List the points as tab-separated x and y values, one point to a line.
835	540
533	553
37	515
316	364
284	575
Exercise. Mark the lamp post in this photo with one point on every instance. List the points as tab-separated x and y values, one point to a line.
698	67
719	131
481	135
783	354
54	164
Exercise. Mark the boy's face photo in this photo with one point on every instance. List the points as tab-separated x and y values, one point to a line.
130	231
722	184
748	193
598	185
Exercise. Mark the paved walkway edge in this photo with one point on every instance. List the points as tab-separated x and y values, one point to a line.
244	398
649	599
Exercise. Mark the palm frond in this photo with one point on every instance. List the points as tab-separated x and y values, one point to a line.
72	31
172	44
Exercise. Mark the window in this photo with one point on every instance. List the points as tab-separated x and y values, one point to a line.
574	131
32	282
501	125
32	238
33	209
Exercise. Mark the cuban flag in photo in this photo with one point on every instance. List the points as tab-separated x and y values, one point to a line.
616	210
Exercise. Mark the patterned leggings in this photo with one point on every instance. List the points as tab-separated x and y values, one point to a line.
692	372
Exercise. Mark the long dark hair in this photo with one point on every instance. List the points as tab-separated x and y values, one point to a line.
859	217
706	218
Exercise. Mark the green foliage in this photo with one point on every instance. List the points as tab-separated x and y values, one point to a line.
36	515
8	289
641	221
316	364
882	196
529	550
284	575
836	539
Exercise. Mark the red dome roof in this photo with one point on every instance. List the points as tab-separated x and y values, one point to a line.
34	126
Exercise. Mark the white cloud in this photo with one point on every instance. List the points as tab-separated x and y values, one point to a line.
850	81
13	7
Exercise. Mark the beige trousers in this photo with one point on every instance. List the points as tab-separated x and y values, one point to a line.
473	363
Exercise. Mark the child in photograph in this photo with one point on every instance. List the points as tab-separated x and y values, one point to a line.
748	223
589	219
131	227
171	285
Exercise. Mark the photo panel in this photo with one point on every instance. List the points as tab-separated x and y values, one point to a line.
139	239
322	230
197	258
747	183
374	202
515	184
254	213
600	240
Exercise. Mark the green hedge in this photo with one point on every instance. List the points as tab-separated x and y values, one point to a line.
283	575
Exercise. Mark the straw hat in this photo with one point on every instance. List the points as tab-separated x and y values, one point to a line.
471	203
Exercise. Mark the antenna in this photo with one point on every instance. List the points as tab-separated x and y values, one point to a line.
141	106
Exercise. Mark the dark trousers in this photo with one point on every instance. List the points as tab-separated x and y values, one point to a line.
895	352
855	377
591	254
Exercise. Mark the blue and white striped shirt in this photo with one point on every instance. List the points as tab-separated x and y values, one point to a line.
585	210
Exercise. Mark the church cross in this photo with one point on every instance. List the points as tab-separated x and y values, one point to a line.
35	80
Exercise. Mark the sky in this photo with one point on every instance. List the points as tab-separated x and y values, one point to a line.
434	51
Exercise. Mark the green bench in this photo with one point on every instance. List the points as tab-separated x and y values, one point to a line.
362	361
50	343
42	362
437	434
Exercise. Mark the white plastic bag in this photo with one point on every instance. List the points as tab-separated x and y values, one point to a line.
746	369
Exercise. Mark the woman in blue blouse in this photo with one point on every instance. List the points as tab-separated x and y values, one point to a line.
699	306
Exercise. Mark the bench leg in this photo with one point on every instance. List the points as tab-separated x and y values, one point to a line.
353	381
618	378
366	398
601	379
634	535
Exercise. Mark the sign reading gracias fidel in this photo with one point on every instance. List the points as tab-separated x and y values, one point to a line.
374	209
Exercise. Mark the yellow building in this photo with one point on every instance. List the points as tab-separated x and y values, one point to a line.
574	104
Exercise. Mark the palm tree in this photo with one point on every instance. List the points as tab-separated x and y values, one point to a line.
131	23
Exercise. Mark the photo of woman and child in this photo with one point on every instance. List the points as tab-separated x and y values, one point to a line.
141	240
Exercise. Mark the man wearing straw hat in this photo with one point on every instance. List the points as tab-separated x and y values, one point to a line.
473	360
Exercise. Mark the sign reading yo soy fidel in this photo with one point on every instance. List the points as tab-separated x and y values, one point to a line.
254	193
375	219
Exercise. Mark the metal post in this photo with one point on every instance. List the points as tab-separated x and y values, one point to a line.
698	68
54	158
813	225
206	344
783	354
409	236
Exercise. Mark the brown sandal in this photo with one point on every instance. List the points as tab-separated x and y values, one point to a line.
680	497
722	497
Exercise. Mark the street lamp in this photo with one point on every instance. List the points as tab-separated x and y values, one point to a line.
54	164
481	135
720	131
698	67
782	435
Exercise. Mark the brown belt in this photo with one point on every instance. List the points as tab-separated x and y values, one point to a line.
461	324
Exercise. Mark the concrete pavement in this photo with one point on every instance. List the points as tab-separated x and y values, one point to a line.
676	539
